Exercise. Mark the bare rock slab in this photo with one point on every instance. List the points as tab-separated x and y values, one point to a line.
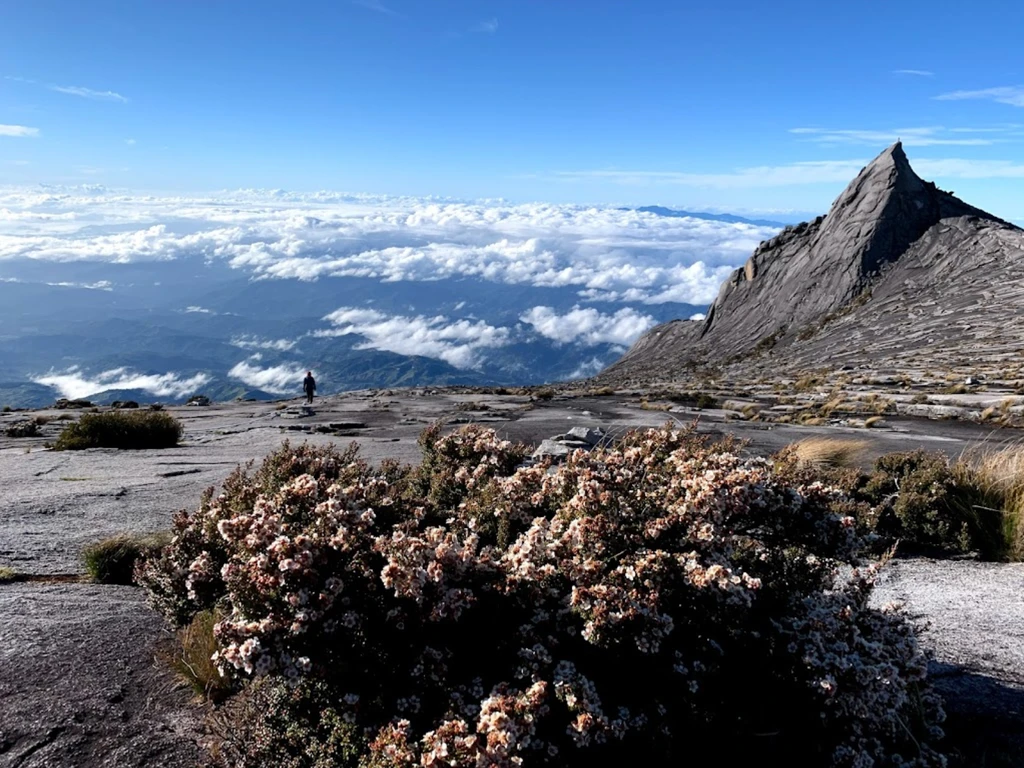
79	684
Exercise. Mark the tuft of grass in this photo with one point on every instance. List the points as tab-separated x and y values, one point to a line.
192	658
998	477
647	405
113	560
7	574
806	383
121	429
544	394
873	421
829	451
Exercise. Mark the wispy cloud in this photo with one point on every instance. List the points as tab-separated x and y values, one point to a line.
89	93
488	27
18	131
377	7
1008	94
914	72
928	136
253	342
811	172
75	383
958	168
130	142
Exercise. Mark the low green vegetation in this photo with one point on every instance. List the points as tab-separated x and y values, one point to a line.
22	429
113	560
926	502
121	429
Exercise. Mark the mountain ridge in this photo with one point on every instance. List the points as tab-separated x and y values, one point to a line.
891	247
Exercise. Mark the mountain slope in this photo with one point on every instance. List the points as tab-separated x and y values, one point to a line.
899	272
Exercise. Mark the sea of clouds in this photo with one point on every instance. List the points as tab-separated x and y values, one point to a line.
604	253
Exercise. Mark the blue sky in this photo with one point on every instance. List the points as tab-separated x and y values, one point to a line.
728	105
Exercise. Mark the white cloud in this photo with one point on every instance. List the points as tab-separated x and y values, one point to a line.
588	368
602	251
279	379
130	142
458	342
1012	95
810	172
252	342
377	7
929	136
18	131
488	27
954	168
75	384
914	72
99	285
697	316
88	93
588	326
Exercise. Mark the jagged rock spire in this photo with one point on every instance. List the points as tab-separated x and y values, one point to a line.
810	272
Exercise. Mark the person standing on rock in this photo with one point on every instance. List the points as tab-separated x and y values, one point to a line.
309	386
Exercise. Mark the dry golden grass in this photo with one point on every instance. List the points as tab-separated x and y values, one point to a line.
191	658
999	477
830	451
874	421
647	405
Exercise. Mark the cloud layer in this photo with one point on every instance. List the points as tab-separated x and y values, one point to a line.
603	252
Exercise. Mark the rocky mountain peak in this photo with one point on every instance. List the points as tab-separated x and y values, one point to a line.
888	233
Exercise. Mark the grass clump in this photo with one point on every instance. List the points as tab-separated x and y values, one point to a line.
192	657
113	560
7	574
998	479
829	452
118	429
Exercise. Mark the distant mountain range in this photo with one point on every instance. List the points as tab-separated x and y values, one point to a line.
728	218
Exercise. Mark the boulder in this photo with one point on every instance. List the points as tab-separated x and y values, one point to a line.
552	449
584	434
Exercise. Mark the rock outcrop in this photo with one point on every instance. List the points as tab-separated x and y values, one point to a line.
897	268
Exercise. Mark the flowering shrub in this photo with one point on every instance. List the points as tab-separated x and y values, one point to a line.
639	604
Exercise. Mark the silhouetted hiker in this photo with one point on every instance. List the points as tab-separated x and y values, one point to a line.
309	386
